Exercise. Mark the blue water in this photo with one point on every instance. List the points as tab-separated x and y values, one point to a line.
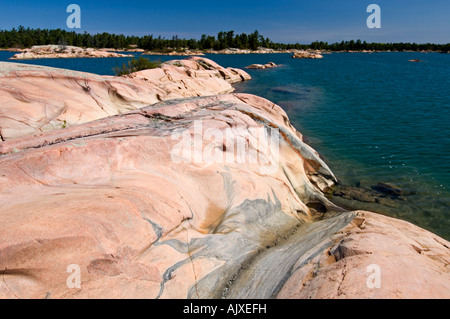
372	117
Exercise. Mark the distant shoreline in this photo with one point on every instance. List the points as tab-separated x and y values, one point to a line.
115	52
225	42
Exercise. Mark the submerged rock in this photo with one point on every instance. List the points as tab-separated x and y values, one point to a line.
356	193
382	198
387	188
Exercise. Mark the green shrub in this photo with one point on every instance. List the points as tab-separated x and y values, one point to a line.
135	65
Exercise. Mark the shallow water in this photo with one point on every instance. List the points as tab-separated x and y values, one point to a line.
373	117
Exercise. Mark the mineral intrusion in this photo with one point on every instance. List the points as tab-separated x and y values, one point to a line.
119	196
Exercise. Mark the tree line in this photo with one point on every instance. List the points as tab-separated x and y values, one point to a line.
26	37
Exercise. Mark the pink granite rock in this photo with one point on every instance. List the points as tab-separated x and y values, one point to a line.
35	99
121	199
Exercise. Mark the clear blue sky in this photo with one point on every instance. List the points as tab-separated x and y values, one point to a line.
283	21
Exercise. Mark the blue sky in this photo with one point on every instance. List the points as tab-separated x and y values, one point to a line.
281	20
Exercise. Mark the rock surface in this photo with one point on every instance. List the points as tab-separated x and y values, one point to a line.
35	99
59	51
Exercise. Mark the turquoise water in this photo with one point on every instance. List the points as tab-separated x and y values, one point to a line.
373	117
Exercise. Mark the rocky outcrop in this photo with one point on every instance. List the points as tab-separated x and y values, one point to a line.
194	197
64	51
268	65
306	55
35	99
143	216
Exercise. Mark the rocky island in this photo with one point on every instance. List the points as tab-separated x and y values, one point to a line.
64	51
93	175
307	55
